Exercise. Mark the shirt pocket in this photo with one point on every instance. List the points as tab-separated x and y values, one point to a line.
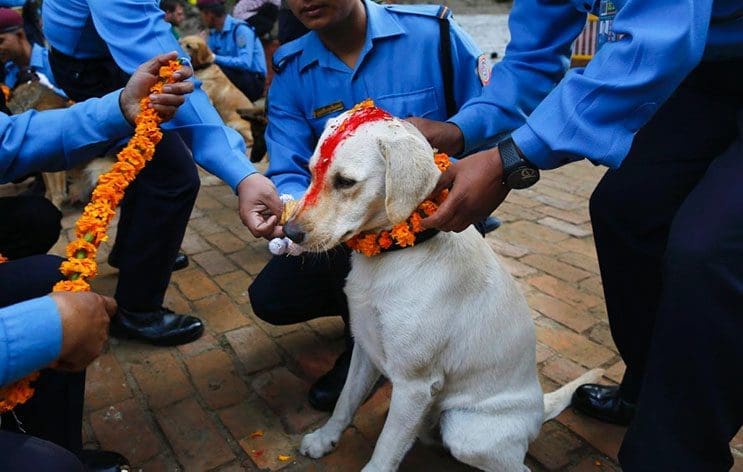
423	103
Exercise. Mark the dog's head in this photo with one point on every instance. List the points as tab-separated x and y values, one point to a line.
369	171
196	47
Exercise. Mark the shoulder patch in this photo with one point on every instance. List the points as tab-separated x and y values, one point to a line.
285	53
435	11
483	69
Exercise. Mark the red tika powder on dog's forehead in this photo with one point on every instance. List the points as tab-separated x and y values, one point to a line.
364	112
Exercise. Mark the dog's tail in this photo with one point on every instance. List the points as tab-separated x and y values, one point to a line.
555	402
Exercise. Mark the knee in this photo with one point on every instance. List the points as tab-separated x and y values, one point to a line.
263	300
693	250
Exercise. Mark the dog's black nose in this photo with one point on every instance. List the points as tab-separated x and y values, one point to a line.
292	231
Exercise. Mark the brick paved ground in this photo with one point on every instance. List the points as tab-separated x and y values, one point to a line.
197	406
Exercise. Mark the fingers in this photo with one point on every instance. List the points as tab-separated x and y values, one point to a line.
178	88
153	65
259	226
110	306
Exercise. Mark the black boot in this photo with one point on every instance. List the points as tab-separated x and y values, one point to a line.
604	403
161	327
103	461
325	392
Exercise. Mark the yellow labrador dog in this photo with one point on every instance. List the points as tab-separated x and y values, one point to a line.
225	97
441	319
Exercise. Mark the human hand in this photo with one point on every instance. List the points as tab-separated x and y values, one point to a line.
475	189
446	137
260	206
146	75
85	317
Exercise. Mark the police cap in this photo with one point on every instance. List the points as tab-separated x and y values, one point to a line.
9	20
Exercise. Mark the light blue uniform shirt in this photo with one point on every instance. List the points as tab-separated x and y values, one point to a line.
39	62
237	46
134	31
594	112
31	331
398	68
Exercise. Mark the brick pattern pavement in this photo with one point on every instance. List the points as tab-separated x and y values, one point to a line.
201	406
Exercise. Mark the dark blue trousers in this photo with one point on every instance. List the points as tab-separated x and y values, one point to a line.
21	453
668	226
154	216
55	412
296	289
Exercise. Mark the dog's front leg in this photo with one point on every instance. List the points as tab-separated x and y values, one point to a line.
361	378
411	401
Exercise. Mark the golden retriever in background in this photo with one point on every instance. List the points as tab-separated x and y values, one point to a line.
223	94
35	95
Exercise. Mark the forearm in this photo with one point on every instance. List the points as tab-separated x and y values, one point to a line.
59	139
596	113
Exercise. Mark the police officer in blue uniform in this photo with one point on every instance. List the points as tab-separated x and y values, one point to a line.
64	329
95	45
237	50
661	104
19	54
355	50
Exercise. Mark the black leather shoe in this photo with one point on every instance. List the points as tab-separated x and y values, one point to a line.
161	327
487	225
325	392
181	261
103	461
603	403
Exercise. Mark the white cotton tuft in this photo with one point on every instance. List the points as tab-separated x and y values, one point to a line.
278	246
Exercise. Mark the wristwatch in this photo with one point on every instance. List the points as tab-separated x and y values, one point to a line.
518	173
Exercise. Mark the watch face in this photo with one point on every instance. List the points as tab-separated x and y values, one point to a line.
522	177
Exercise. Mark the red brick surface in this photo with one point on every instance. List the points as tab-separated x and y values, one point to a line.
201	406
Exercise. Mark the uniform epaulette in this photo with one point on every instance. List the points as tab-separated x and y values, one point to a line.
287	51
437	11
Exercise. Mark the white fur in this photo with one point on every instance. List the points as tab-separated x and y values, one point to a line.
442	320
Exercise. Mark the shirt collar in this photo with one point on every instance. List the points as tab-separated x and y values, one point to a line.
379	24
229	23
37	58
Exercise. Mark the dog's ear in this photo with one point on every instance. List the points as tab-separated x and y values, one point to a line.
203	54
410	171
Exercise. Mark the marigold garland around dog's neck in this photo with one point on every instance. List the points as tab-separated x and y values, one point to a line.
403	234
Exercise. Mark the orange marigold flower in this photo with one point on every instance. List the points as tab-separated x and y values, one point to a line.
87	268
415	222
442	161
385	240
17	393
442	196
3	259
81	245
78	285
402	235
428	207
353	243
368	245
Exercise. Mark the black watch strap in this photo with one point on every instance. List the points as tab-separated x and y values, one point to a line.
518	173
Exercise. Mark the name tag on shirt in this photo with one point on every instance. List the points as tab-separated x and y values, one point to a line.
328	109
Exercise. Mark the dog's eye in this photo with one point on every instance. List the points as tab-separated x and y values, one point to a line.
341	182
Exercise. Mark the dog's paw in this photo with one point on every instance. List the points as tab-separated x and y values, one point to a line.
318	443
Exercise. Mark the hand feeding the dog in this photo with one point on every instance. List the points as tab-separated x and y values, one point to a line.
281	246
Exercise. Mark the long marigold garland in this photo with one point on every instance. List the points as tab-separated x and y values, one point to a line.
403	234
92	226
